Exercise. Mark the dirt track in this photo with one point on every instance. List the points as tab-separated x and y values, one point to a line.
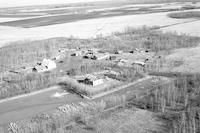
29	94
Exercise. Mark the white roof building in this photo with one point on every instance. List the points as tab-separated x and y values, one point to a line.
46	65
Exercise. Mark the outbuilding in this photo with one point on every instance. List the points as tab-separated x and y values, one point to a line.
92	80
101	56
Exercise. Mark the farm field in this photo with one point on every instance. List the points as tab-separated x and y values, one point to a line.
92	21
185	28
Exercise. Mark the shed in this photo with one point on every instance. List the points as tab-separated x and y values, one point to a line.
92	80
101	56
141	63
112	58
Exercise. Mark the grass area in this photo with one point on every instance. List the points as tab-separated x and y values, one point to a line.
185	15
120	120
78	66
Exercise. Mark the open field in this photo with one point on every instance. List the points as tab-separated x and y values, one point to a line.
190	58
87	22
89	28
73	14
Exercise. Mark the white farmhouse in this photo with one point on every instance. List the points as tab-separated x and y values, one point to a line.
46	65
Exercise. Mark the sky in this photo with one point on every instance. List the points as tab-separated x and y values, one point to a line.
14	3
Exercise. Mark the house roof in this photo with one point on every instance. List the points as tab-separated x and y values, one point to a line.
93	77
139	63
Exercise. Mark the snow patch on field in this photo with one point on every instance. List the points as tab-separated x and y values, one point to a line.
8	19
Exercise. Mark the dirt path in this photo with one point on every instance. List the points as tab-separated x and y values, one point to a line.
29	94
